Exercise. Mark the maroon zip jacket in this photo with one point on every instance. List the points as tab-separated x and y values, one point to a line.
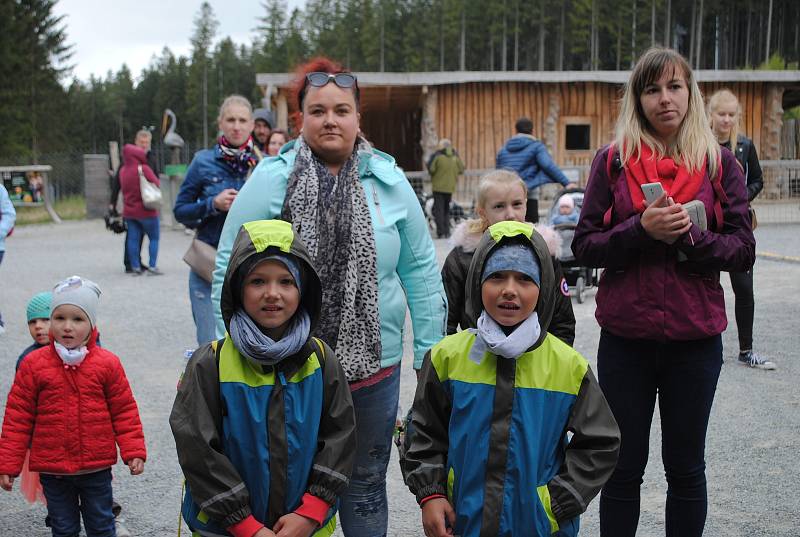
645	292
134	156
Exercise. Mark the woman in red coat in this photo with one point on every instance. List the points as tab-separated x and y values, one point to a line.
140	220
71	404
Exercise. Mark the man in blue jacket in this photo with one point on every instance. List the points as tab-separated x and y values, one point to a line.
528	157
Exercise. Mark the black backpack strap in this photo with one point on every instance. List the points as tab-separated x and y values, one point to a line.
319	350
613	167
216	346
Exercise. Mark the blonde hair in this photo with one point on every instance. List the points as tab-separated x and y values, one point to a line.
695	141
143	133
232	100
725	96
493	178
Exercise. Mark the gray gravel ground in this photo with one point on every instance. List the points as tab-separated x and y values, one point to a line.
752	442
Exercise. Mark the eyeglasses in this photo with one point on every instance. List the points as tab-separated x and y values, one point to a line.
320	79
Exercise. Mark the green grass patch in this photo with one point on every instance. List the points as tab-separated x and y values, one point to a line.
69	208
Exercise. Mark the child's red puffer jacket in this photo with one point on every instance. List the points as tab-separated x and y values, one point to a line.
71	418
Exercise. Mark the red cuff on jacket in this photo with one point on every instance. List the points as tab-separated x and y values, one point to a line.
431	497
246	528
314	508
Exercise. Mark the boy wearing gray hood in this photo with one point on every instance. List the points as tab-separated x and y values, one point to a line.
263	420
510	434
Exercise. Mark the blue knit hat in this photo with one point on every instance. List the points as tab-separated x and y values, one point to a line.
515	256
39	306
289	261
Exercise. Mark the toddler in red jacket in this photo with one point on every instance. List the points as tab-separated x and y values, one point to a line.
71	404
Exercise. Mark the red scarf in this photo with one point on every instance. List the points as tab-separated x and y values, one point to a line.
676	179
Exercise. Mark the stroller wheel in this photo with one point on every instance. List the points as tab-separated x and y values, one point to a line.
580	289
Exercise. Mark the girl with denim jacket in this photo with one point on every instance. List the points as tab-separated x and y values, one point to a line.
212	182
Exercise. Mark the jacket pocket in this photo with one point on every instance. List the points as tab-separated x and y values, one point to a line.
544	499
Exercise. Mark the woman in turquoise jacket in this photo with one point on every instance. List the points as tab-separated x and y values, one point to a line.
364	228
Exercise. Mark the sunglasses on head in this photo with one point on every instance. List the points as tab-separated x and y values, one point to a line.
319	79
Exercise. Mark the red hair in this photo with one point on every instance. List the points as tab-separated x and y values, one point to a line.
299	85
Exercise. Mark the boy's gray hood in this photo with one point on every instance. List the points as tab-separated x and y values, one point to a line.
504	232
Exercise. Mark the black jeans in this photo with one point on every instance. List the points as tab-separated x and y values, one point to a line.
684	375
532	211
742	283
441	213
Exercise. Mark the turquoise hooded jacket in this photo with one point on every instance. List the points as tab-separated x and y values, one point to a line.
408	274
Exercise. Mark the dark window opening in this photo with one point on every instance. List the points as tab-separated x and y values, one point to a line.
578	137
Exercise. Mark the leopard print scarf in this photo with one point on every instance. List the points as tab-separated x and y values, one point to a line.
330	215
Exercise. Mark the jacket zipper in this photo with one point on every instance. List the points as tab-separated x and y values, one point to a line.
377	204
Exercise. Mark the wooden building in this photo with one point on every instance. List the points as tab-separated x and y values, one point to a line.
573	112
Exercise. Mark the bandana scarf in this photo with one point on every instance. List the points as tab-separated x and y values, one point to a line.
259	348
241	158
676	179
491	338
331	216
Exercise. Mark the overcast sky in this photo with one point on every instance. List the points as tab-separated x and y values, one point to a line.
107	33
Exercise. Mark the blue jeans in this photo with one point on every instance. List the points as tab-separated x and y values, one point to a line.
363	510
136	228
70	496
684	375
202	309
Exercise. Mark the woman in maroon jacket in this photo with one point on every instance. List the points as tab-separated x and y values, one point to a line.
141	221
661	284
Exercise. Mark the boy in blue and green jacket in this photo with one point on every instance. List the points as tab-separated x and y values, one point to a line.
263	420
510	434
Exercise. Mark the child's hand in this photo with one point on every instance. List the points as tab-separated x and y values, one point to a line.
136	465
294	525
435	514
263	532
6	482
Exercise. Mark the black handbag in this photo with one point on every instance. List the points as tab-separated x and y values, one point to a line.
115	222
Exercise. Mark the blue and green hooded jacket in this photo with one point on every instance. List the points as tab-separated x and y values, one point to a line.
408	274
493	436
252	440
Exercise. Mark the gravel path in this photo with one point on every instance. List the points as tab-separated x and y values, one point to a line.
753	437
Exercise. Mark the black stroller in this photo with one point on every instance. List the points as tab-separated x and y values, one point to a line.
579	278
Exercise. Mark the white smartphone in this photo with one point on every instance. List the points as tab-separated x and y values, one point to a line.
652	191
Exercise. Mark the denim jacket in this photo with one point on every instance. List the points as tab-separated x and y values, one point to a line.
207	176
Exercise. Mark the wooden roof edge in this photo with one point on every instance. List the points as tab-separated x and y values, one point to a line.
436	78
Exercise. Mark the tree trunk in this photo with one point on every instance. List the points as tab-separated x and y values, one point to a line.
692	35
205	106
667	26
504	44
653	23
593	37
699	47
463	60
619	43
769	32
383	44
747	38
541	35
561	32
633	36
516	35
441	35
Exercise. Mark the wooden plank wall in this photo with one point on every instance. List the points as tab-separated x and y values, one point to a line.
480	117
